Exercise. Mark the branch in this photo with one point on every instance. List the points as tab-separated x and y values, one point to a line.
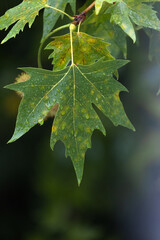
78	19
90	7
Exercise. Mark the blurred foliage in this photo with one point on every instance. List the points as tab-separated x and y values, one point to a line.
120	193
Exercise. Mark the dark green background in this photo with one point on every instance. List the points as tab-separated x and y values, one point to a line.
119	198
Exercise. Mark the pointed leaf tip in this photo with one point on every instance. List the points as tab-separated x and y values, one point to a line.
79	182
126	13
79	176
76	119
87	49
11	140
19	15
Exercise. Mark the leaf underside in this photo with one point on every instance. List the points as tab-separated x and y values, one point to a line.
75	89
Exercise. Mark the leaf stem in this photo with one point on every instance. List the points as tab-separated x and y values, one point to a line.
45	39
71	39
79	25
56	9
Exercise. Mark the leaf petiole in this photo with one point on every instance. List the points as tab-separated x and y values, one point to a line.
79	26
45	39
58	10
72	28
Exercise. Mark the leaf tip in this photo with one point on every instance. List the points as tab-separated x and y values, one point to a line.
3	41
15	137
79	182
131	127
79	172
79	178
10	141
134	39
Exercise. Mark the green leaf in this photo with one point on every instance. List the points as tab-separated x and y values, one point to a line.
98	4
141	14
22	14
75	89
100	26
87	50
50	17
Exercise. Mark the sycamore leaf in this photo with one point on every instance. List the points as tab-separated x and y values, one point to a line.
87	50
100	26
50	17
98	4
22	14
75	89
141	14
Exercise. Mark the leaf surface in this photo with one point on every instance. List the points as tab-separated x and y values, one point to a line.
87	50
125	12
75	89
98	4
101	26
50	16
22	14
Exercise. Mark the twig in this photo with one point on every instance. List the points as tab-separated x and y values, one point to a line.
82	16
90	7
